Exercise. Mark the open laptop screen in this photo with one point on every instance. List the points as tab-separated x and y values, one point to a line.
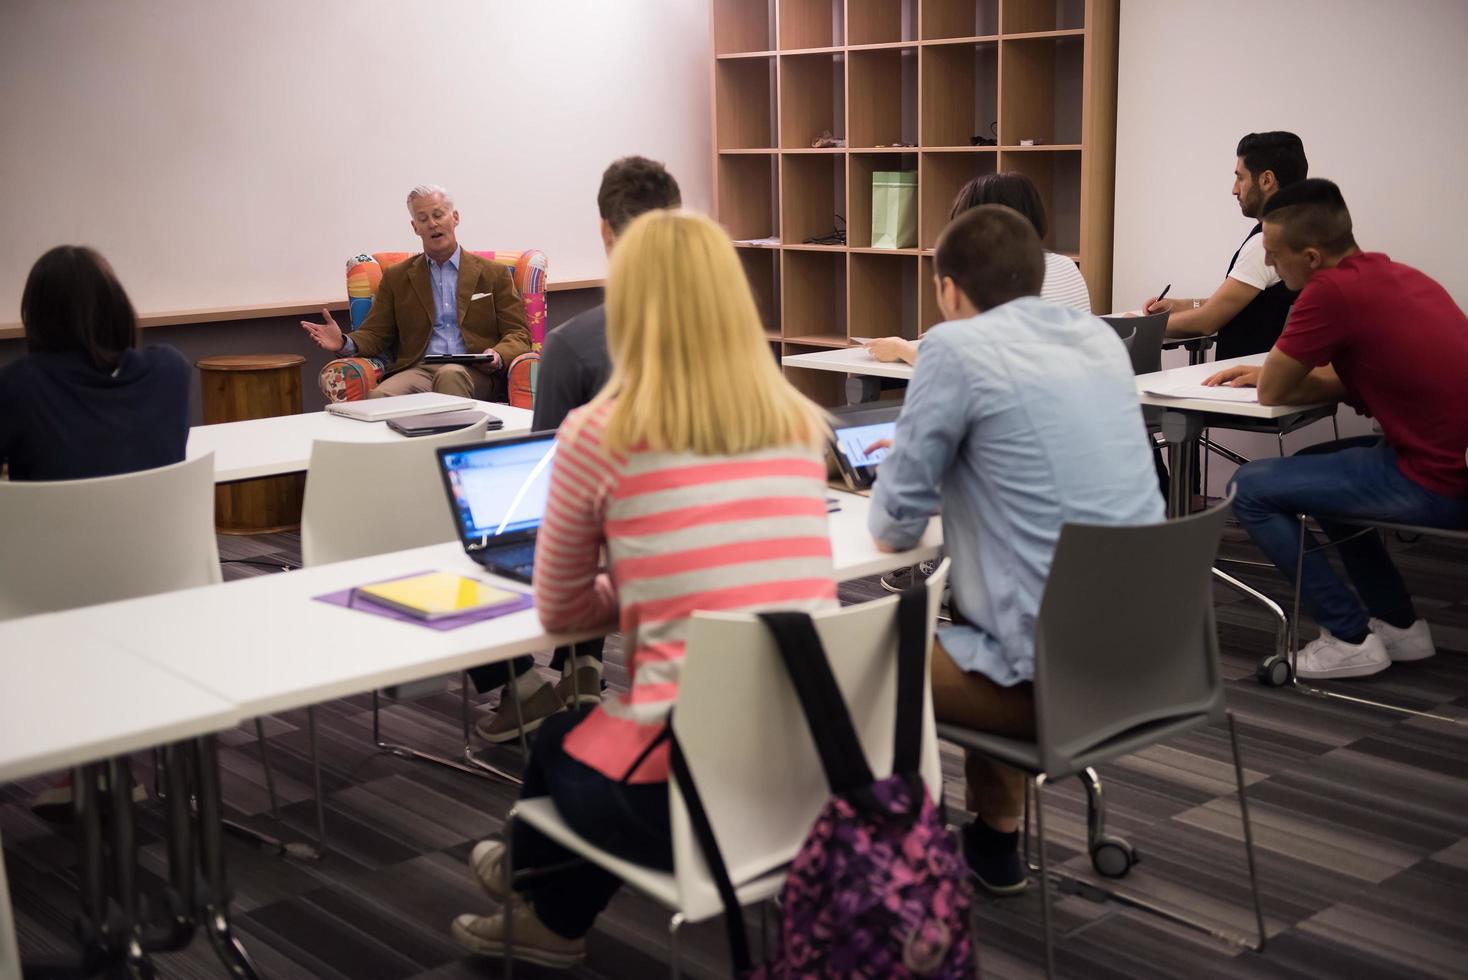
499	487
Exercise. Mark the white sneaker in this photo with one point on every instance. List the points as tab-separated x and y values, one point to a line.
1412	643
1329	656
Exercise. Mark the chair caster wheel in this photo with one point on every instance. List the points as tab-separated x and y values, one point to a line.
1274	672
1113	857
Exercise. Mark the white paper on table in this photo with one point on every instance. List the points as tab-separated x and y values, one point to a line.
1191	389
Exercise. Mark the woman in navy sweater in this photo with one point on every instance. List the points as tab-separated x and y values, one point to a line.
86	401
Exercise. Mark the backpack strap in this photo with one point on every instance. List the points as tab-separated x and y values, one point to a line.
703	832
912	624
820	698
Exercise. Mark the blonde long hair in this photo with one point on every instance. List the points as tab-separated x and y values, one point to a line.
691	369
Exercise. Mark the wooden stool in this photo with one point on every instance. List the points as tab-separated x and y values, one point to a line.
254	386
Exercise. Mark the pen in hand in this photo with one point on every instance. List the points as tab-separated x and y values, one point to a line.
1160	297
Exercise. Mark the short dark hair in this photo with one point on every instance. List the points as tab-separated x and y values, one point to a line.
1312	214
1279	152
632	186
993	254
73	302
1012	189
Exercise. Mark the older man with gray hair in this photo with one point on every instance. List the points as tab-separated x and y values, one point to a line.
444	301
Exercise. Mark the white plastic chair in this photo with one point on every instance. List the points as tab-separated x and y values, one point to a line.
371	498
761	810
71	543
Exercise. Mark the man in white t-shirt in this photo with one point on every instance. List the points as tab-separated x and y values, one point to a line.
1248	311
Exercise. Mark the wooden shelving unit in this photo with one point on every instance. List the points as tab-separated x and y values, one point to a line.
907	84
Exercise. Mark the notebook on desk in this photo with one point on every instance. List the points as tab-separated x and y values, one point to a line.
497	493
380	409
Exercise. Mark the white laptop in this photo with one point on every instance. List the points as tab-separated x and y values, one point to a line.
377	409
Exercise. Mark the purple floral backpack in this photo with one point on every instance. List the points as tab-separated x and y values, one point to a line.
878	889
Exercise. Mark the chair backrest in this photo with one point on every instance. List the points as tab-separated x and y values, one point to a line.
746	741
369	498
1127	337
528	268
70	543
1126	635
1146	346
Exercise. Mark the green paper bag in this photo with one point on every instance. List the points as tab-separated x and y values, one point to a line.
894	209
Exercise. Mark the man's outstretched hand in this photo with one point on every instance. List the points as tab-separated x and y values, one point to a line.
328	335
1235	377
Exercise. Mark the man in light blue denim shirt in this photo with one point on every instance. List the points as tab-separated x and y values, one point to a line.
1022	415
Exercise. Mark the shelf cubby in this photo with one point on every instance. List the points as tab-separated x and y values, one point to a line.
814	193
941	177
748	201
860	168
811	24
960	93
813	285
825	388
812	98
744	103
929	315
881	21
882	85
1036	16
743	25
959	18
883	299
1042	79
762	270
1057	175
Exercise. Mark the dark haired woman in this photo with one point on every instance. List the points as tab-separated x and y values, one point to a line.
1063	282
86	401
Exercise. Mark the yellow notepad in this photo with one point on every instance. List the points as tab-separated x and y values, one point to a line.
434	595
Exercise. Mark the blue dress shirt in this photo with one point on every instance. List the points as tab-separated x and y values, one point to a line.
443	281
1017	421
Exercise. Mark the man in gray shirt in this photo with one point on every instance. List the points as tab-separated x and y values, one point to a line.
1022	415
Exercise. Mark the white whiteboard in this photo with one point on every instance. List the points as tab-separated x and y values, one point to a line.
233	154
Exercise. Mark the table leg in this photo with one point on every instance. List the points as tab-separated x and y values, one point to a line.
227	946
125	866
1181	430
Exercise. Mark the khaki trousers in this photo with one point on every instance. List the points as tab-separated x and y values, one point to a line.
448	379
972	700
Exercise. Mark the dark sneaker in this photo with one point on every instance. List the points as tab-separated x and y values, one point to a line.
502	727
587	690
909	575
998	868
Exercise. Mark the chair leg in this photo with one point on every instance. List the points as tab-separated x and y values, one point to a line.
1233	737
1295	614
508	909
1029	789
675	962
1044	876
269	775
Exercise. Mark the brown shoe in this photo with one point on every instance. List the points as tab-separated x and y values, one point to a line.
587	687
502	727
533	940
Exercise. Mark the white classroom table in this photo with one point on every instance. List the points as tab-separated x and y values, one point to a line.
270	447
73	696
265	646
1184	419
142	672
849	360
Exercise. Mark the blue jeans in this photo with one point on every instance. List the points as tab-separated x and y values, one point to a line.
1349	478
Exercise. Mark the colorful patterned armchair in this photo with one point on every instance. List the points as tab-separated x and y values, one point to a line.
351	378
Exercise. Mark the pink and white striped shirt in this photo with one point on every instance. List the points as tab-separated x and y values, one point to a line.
682	533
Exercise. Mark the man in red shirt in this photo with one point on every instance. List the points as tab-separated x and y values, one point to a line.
1390	342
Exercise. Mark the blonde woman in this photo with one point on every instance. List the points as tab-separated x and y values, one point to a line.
701	473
